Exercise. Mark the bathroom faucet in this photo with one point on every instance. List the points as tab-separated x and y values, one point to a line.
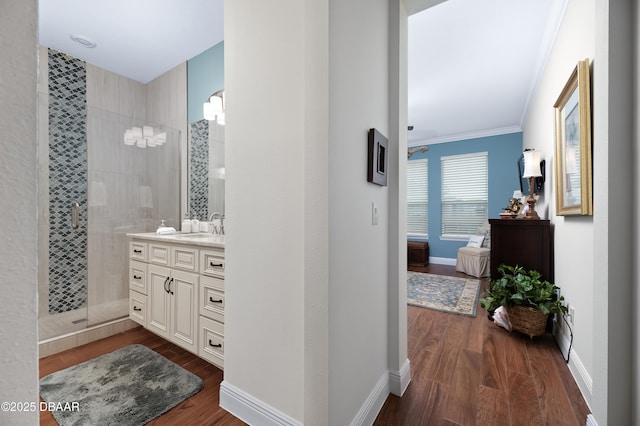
216	230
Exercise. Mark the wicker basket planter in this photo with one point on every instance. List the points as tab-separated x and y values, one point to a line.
527	320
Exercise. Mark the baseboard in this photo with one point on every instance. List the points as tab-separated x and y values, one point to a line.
591	421
442	261
576	366
250	409
373	404
399	380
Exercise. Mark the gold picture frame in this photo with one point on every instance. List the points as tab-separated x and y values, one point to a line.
573	164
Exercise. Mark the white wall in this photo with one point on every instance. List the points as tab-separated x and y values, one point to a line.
18	252
594	255
613	149
358	251
574	236
265	85
636	254
307	275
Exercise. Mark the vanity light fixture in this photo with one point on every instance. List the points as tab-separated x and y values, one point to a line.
145	136
213	109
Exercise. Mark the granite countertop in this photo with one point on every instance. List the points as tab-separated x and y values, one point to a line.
201	239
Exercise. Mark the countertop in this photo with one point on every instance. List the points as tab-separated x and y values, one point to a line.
201	239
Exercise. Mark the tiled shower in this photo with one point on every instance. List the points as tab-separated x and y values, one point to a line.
86	172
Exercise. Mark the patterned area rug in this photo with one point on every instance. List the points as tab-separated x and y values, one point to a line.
127	387
442	293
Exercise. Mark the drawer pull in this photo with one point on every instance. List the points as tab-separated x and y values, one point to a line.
135	308
214	301
216	265
137	277
219	345
137	251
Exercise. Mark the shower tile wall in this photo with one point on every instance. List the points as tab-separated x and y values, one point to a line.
130	189
67	183
199	163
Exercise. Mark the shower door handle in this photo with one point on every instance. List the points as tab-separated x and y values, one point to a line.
75	214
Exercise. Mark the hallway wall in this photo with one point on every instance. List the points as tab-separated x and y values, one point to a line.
18	192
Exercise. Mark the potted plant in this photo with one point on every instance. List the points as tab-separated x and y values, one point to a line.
527	299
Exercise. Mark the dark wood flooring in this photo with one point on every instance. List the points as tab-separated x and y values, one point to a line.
468	371
464	371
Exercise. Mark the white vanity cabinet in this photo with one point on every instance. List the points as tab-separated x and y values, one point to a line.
172	305
176	290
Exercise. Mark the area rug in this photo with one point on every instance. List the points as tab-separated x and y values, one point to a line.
447	294
130	386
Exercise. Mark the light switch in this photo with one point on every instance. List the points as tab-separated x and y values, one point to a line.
374	214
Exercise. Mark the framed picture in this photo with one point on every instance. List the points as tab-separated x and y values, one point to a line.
573	175
377	161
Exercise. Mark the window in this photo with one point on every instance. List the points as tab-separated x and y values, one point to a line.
417	198
464	194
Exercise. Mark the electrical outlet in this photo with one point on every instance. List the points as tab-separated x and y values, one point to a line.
572	315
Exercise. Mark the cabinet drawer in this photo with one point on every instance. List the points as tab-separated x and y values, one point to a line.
211	341
159	254
212	298
184	258
138	307
212	262
138	251
138	276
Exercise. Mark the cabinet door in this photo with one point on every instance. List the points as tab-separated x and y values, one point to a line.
159	298
184	309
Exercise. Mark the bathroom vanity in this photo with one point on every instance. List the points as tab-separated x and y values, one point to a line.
176	290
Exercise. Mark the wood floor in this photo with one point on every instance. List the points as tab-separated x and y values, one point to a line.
464	371
467	371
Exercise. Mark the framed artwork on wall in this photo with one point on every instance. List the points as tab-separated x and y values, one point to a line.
574	193
377	158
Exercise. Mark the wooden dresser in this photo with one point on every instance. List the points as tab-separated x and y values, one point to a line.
523	242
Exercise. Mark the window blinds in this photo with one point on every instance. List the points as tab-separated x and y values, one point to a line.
417	198
464	193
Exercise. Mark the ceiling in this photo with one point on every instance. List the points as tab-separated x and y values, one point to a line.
139	39
472	64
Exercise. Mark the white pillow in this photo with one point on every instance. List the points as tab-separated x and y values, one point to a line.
475	241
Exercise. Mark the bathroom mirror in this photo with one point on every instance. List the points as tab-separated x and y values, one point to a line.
205	169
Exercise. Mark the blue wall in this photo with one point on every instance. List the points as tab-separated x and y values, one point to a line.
205	75
503	153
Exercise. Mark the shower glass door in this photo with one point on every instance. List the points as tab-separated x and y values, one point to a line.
94	188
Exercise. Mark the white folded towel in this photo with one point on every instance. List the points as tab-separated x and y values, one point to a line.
166	230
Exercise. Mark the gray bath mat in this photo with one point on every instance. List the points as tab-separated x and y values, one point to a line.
130	386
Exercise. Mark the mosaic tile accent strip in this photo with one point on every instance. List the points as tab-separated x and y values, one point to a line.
67	182
199	163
